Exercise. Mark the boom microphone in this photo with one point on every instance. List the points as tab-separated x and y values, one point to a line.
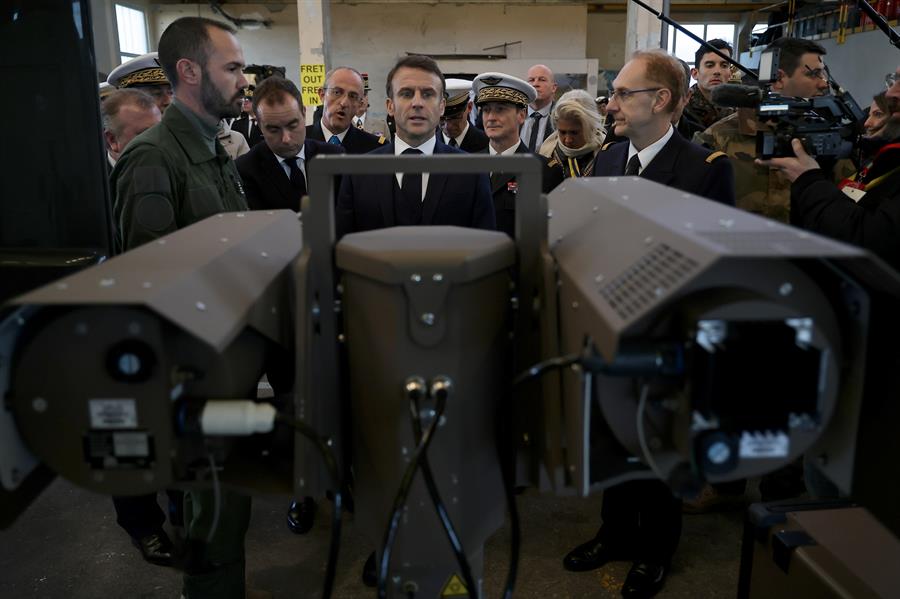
737	96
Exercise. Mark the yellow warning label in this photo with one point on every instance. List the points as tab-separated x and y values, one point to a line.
454	587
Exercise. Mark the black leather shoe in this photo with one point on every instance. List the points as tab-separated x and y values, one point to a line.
644	580
156	549
301	515
369	576
590	556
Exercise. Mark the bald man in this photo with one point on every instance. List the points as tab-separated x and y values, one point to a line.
538	126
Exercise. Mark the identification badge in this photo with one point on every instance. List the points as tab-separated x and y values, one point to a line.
512	187
854	193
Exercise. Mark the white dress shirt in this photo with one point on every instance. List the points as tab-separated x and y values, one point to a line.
302	163
459	139
525	133
426	148
649	153
327	134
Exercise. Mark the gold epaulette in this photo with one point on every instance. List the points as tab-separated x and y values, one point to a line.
605	146
714	156
381	140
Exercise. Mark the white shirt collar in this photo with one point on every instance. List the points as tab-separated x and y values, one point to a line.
361	119
426	148
301	155
647	155
508	151
112	161
545	111
459	139
327	134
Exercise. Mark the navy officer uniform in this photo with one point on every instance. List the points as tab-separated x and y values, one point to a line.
679	163
471	139
500	87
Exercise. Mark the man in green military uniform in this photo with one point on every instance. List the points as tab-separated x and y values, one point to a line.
757	189
171	176
710	70
176	173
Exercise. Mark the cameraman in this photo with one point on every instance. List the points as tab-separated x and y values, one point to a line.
757	189
863	209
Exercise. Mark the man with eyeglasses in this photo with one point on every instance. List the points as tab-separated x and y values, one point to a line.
862	209
641	518
341	98
801	74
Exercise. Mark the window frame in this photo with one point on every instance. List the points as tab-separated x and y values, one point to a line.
124	55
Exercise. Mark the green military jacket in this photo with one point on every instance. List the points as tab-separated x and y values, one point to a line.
169	177
704	112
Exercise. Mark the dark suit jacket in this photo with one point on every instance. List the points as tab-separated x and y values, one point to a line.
504	191
680	164
475	141
356	141
248	128
265	183
367	201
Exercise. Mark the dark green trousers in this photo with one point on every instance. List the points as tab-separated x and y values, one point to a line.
218	568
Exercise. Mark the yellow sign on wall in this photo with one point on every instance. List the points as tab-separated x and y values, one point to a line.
312	77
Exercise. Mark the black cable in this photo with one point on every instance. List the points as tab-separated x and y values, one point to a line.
449	529
542	367
406	481
332	466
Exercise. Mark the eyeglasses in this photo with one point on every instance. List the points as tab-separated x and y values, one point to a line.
891	79
337	93
623	94
815	73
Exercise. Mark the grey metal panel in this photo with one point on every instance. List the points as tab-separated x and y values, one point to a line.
204	278
383	256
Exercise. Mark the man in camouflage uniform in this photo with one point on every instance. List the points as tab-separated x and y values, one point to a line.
171	176
758	189
710	71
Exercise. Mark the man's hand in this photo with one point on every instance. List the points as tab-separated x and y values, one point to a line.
792	167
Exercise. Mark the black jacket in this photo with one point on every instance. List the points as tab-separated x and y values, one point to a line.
504	190
680	164
265	183
356	141
873	223
366	202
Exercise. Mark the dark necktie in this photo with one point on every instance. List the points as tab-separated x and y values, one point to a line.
453	143
535	127
298	181
359	124
633	167
412	185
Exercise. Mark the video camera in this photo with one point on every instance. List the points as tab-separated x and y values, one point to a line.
828	126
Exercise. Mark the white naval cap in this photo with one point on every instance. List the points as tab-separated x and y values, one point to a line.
457	96
500	87
142	70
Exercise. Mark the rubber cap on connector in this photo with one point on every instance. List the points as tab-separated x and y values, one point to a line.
236	418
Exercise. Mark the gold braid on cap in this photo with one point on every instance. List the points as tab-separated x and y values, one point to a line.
501	94
151	76
463	99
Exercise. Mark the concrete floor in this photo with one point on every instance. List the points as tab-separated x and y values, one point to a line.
67	544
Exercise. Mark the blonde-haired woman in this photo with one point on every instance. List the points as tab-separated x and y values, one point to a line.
577	136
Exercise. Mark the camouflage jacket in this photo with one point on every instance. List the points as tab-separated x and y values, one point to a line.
702	110
757	188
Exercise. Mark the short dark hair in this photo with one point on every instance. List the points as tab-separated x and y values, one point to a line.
415	61
187	37
109	109
718	44
272	88
792	49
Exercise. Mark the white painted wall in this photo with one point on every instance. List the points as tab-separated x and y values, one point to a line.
371	37
276	46
606	39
